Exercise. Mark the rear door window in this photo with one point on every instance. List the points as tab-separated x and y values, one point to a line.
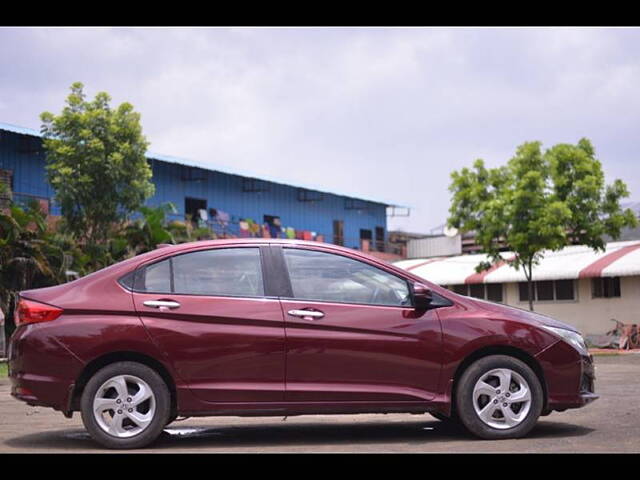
235	272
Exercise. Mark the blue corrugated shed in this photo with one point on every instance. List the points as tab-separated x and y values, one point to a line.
240	196
23	156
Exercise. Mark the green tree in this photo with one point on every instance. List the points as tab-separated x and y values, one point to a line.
96	164
31	256
538	202
578	181
150	229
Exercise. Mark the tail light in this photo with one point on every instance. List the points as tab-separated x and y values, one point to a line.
29	311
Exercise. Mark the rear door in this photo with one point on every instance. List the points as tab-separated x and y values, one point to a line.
210	311
353	334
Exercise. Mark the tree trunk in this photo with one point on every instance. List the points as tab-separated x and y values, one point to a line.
528	274
2	336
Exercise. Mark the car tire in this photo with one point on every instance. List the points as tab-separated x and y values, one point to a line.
131	422
490	412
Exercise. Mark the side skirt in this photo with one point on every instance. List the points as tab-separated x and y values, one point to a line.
309	408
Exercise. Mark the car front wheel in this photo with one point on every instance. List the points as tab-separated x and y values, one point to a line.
499	397
125	405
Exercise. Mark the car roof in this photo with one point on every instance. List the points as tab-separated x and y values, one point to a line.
165	249
248	241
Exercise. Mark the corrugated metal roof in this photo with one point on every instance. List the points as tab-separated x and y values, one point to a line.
21	130
191	163
619	259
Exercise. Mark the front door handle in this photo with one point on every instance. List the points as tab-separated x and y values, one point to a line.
161	304
307	314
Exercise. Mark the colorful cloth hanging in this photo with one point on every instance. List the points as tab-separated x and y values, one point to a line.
222	217
244	229
274	230
291	233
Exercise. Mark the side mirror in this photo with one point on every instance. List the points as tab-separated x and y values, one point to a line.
421	296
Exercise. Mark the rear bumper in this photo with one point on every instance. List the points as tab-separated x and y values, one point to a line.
42	391
42	373
570	377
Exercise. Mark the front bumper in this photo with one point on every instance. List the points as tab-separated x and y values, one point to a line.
570	377
586	393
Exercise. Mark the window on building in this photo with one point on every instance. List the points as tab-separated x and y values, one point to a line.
192	174
192	207
29	145
523	289
494	292
484	291
254	185
366	235
380	239
544	290
548	290
460	289
6	177
564	290
607	287
338	232
305	195
476	290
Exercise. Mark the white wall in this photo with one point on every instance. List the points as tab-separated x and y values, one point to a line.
589	315
439	246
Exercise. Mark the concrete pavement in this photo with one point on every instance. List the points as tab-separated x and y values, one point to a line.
611	424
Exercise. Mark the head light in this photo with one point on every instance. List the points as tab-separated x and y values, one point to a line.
572	338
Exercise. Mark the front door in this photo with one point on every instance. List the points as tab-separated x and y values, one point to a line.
207	310
353	335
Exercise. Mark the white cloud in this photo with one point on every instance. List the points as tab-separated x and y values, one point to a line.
380	113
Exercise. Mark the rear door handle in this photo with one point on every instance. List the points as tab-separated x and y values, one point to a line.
161	304
307	314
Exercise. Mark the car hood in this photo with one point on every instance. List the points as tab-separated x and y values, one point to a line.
522	315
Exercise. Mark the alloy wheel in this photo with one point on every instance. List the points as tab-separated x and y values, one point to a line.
502	398
124	406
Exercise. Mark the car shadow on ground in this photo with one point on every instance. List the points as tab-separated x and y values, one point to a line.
290	435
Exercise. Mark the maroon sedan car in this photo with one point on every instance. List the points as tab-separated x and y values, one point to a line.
275	327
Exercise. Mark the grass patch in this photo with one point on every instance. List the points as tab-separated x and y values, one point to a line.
3	370
613	353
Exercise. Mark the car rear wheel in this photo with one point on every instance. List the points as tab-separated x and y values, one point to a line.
499	397
125	405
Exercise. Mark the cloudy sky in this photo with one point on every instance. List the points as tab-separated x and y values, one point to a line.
378	113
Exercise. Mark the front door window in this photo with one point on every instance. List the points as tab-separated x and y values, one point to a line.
326	277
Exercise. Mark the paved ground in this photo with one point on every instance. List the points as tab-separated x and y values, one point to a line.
611	424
